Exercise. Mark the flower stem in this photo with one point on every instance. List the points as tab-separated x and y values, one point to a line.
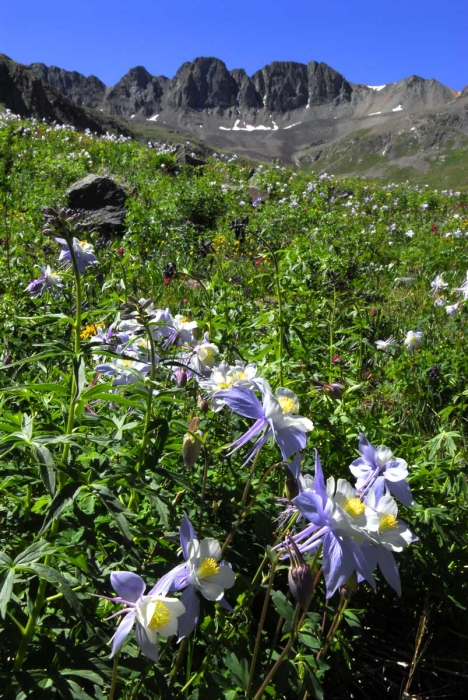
260	627
295	627
114	676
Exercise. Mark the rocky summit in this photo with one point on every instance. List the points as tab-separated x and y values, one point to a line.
300	113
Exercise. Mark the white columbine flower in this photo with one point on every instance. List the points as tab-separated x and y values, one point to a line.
413	340
384	345
437	284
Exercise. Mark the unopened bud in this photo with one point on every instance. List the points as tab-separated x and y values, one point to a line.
292	486
203	404
181	377
191	445
300	579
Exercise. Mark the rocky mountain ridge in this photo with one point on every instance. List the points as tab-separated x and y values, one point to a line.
293	111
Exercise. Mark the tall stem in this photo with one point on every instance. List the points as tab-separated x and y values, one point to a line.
260	627
114	676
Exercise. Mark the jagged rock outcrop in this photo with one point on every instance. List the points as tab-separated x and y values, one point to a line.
137	93
23	92
283	86
247	95
79	89
203	84
326	84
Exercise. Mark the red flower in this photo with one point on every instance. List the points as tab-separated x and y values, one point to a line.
167	281
120	251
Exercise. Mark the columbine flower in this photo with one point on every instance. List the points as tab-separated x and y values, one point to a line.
437	284
413	340
463	289
126	371
377	467
83	253
384	345
154	613
388	535
201	572
49	281
275	417
453	309
338	520
225	376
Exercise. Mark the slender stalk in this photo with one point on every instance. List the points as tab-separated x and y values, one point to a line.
243	514
344	602
203	493
114	676
178	661
295	627
260	627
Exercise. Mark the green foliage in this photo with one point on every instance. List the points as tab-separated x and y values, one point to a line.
92	476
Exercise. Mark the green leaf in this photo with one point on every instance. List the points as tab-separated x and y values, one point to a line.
6	591
63	499
239	670
53	576
79	374
34	552
46	466
282	605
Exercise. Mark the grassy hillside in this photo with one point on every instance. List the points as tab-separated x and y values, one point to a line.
102	460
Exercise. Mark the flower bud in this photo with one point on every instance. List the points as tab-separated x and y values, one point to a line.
191	445
203	404
181	377
300	579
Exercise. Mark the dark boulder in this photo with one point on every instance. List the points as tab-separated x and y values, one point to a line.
101	202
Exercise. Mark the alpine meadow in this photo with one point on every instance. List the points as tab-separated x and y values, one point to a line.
233	438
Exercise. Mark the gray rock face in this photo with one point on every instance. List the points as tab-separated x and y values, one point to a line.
204	84
137	93
79	89
247	95
283	86
101	202
326	84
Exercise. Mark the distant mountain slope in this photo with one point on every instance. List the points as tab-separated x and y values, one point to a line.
301	113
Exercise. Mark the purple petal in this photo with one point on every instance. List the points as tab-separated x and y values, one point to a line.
294	466
319	480
401	491
186	533
174	580
243	401
123	631
311	505
251	432
290	440
188	621
148	648
130	587
389	568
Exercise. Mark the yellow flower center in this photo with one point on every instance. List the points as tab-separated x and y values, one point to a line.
224	385
241	375
287	404
83	243
387	521
184	319
354	507
208	568
161	617
127	363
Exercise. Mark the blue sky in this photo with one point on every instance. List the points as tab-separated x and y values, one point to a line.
368	41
